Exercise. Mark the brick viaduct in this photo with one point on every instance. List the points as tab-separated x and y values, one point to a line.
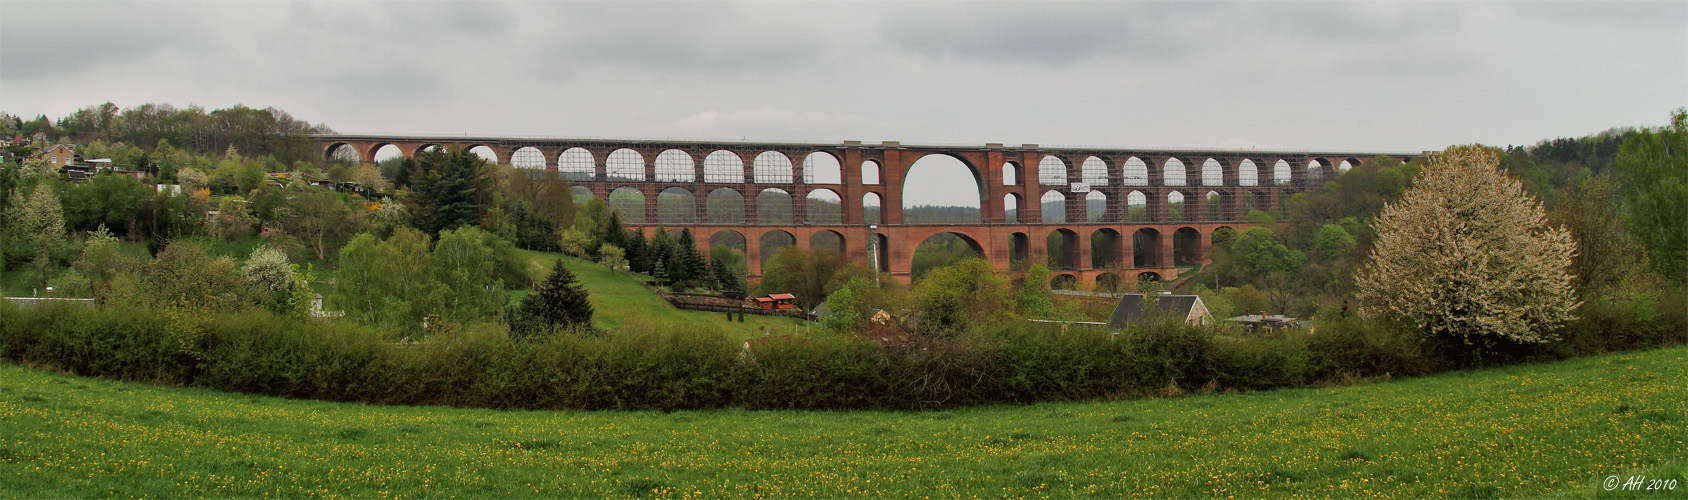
1152	208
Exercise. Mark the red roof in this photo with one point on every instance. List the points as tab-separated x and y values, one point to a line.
782	296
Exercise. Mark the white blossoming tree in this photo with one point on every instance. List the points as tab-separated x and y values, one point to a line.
1467	253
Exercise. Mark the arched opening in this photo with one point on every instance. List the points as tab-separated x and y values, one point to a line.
1146	248
1172	172
1019	247
1137	206
676	205
1051	171
1063	249
1063	282
772	242
388	152
675	166
774	207
1011	208
1218	206
827	240
871	209
625	165
1346	165
576	164
427	147
1175	207
1107	249
1257	200
724	206
881	252
723	167
1054	207
870	173
527	157
1315	172
822	168
1136	172
729	245
824	207
1147	277
630	202
1096	207
1109	283
771	167
1187	246
1281	173
1010	174
942	249
486	153
1213	174
581	194
1222	237
1094	172
956	203
1248	174
344	153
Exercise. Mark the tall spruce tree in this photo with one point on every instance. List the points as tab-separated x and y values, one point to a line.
448	189
558	302
638	254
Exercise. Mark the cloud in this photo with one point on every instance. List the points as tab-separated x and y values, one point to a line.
767	122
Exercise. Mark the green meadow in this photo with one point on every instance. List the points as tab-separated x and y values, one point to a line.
1527	431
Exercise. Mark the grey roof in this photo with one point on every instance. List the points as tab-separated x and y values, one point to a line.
1130	308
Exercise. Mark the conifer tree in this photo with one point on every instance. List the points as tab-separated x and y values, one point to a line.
558	302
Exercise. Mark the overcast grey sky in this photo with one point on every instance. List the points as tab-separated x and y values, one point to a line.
1405	76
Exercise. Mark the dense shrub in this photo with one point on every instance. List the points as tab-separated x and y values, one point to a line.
673	367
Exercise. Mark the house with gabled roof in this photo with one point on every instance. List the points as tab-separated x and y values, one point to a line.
1188	307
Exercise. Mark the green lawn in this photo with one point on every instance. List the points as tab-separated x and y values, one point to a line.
1545	430
618	299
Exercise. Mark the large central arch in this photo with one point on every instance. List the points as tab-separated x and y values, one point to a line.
932	173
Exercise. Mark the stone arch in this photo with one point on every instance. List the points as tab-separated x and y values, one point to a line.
1213	173
1136	172
1316	171
1248	174
1094	172
427	146
675	166
1282	174
1053	204
821	167
676	205
1137	207
774	207
1256	199
390	151
1148	276
827	240
881	252
873	209
1146	248
624	165
918	267
577	164
823	206
724	205
1172	172
1063	281
1063	248
1187	247
1010	173
1177	206
486	153
1096	207
1107	249
723	167
1109	283
1051	171
870	173
1011	208
771	167
343	152
940	169
1019	249
630	202
732	240
772	242
1218	205
527	157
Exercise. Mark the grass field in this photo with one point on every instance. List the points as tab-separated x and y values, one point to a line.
1546	430
617	299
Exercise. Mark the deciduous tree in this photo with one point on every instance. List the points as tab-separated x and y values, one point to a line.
1655	165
